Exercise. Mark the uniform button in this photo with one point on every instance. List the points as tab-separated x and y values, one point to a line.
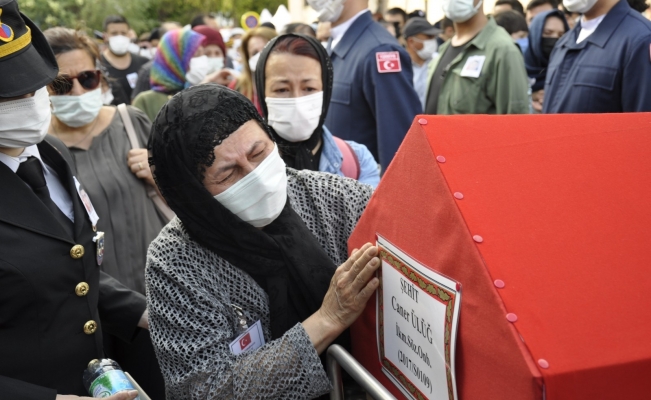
82	289
90	327
77	251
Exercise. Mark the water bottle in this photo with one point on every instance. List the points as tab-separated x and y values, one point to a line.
104	378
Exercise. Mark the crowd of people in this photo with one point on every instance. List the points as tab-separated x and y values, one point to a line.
164	193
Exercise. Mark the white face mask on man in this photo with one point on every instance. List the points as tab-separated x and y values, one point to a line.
460	10
579	6
295	119
429	48
329	10
260	196
76	111
25	122
119	45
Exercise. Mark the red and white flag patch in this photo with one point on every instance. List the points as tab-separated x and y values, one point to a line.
388	61
245	341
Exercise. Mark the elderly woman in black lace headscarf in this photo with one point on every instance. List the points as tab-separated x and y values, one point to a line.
254	249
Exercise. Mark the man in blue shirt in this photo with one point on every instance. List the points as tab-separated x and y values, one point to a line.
373	99
603	64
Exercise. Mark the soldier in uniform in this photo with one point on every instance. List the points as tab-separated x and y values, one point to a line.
373	97
52	292
603	65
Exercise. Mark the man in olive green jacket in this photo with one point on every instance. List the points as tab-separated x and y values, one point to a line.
479	71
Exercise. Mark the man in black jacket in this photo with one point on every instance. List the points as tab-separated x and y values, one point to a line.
52	293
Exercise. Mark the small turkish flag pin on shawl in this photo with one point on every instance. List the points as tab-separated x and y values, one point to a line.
388	61
245	341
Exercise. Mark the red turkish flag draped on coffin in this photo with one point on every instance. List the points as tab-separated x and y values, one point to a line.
563	205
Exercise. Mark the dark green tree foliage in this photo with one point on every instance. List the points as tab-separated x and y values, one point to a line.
143	15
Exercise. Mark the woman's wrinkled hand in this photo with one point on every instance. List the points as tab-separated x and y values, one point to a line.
138	162
350	288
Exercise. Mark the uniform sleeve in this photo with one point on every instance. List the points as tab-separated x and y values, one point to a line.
510	82
393	100
636	79
368	168
120	308
15	389
191	334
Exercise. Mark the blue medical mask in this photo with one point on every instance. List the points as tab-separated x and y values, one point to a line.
523	43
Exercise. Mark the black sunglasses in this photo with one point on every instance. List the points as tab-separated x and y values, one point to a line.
89	80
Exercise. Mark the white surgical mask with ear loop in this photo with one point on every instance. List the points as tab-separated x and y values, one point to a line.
295	119
119	45
76	111
579	6
260	196
199	68
253	62
329	10
215	64
460	10
429	48
25	122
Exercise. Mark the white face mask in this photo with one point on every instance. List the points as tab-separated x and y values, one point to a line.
429	48
133	48
295	119
148	53
76	111
237	43
329	10
253	62
107	97
198	70
460	10
25	122
119	45
260	196
215	64
579	6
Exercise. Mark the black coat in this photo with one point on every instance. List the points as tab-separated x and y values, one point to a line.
43	347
